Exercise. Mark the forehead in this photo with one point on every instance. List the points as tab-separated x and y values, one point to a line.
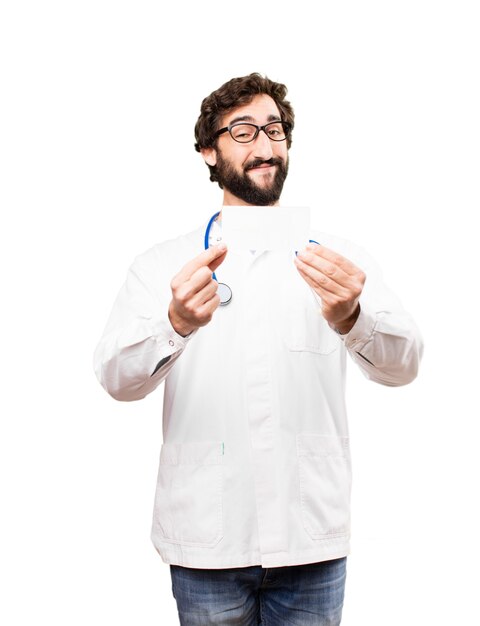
260	110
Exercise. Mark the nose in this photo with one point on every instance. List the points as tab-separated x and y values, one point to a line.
262	146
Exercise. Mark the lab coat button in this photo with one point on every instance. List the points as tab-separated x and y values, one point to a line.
171	342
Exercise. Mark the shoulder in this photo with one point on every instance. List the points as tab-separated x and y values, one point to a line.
172	251
338	244
351	251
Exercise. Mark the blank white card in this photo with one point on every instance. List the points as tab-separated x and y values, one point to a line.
265	227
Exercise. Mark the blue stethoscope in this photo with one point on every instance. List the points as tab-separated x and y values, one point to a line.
223	290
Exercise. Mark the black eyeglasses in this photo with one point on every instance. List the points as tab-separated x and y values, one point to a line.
245	133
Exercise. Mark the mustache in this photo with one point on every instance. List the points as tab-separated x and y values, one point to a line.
258	162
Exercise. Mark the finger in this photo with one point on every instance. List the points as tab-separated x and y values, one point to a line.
217	261
206	310
203	275
319	281
334	257
307	278
201	278
205	294
193	308
204	259
325	267
186	290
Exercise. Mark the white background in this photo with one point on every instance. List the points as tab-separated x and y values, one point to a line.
98	103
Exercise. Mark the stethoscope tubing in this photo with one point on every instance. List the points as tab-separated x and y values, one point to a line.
207	236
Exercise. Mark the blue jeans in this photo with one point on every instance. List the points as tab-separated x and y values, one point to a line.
302	595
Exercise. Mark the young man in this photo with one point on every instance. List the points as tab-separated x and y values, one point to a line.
252	502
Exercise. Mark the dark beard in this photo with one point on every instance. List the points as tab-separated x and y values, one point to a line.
241	186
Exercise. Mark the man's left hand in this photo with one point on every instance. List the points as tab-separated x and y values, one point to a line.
337	281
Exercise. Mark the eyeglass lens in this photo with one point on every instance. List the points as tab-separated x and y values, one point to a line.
244	133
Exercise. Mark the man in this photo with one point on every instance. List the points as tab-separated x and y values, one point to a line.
252	501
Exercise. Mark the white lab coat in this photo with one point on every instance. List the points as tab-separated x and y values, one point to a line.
255	464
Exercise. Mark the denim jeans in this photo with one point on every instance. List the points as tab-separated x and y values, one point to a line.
301	595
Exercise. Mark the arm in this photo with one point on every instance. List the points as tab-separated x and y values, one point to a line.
386	345
139	345
150	325
379	335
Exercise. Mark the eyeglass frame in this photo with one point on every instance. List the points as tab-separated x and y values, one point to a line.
286	126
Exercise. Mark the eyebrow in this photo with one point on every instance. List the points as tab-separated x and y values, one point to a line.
249	118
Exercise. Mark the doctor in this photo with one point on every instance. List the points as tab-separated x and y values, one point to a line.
253	494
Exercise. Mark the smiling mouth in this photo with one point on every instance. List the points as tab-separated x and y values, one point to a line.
262	165
258	168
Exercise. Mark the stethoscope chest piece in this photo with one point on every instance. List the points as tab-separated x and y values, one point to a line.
225	294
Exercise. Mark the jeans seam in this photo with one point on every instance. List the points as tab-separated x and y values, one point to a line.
262	616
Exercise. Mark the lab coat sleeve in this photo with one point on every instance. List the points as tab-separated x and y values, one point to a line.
386	346
385	342
139	346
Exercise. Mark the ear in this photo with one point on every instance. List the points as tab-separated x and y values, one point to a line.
209	155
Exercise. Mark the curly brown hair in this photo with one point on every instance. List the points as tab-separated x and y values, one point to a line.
234	93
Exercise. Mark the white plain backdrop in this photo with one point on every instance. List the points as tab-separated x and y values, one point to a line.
98	104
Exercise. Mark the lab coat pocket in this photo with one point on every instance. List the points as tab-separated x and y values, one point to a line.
325	483
188	499
307	329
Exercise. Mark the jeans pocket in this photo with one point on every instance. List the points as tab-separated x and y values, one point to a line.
188	498
325	484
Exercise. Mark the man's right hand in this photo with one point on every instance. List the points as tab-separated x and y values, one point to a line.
194	291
